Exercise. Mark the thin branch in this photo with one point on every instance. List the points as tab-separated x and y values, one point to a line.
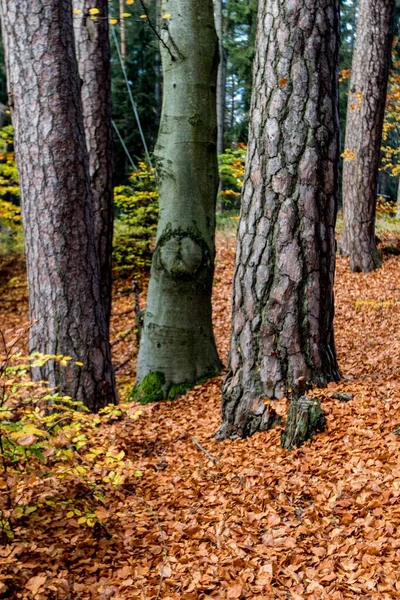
214	460
154	29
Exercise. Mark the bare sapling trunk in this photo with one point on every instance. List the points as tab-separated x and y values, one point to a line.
282	318
177	345
65	304
93	53
365	113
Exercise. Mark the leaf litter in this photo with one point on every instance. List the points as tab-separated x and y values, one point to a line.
257	521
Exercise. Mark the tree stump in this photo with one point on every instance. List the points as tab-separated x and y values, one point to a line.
305	419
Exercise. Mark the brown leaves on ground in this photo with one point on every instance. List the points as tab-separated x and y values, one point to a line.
258	522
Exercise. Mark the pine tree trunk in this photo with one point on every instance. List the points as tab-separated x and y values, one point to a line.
63	271
365	113
177	339
282	320
93	53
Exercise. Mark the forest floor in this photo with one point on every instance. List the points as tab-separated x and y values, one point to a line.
258	522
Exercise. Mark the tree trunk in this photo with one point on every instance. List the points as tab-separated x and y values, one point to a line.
122	28
65	305
221	91
365	112
177	339
93	53
398	201
282	320
157	68
220	78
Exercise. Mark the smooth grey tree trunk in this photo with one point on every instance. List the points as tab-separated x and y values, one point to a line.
93	53
65	304
365	113
177	340
282	318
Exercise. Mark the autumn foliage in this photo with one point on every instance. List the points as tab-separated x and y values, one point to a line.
253	521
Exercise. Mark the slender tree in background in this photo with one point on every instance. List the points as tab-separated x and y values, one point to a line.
65	304
122	28
282	327
177	345
93	53
221	79
366	105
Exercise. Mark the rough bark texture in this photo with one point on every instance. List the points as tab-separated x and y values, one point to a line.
282	322
177	339
93	53
305	419
63	272
366	105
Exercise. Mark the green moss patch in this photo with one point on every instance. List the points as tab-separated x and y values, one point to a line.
150	389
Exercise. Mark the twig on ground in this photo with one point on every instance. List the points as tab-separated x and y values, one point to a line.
214	460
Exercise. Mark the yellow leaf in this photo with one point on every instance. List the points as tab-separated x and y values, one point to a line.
70	514
76	11
166	16
94	11
130	1
126	15
143	16
113	21
81	520
78	363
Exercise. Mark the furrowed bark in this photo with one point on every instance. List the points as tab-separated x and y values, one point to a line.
282	320
93	53
365	113
177	339
63	272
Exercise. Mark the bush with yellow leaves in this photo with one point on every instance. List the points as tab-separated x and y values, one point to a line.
51	456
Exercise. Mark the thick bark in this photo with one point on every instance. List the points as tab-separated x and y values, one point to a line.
93	53
177	339
63	271
282	321
366	106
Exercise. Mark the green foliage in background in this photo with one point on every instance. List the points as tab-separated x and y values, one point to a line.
231	172
136	211
10	212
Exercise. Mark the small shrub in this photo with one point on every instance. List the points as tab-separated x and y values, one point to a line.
136	211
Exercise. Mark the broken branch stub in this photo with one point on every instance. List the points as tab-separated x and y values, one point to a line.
305	419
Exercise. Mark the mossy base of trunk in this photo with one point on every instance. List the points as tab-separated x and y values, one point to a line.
150	389
305	419
154	387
